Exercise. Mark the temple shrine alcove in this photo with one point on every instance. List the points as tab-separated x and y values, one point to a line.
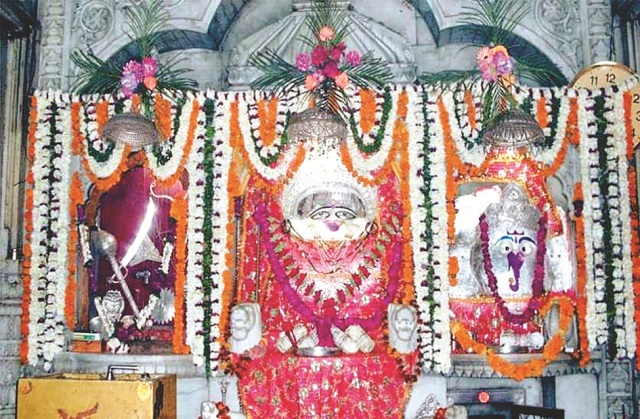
323	259
264	244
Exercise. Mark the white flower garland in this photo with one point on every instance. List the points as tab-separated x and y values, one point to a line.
548	156
596	320
435	341
175	145
419	228
51	173
621	239
367	165
269	173
254	120
194	295
465	132
92	138
474	156
220	209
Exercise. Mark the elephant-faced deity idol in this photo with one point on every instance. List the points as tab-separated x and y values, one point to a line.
322	257
513	265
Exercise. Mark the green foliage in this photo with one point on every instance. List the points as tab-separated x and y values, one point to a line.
143	26
282	77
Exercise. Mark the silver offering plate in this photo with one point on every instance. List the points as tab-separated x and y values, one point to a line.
317	351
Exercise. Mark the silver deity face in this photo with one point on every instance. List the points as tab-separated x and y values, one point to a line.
338	213
405	323
242	321
113	304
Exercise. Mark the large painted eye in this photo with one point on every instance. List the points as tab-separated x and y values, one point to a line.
505	245
320	213
345	214
526	246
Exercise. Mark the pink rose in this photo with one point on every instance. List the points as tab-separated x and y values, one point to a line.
303	61
342	80
319	55
149	66
135	68
353	58
326	33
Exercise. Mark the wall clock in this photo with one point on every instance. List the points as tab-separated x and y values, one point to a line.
608	73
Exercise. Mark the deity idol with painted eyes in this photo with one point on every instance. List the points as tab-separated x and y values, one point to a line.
330	251
512	264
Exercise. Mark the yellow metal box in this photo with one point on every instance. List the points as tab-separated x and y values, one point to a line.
72	395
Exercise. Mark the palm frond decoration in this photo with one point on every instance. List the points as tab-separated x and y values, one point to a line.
493	23
325	71
495	20
141	74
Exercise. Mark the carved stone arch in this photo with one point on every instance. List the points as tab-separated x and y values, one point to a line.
446	33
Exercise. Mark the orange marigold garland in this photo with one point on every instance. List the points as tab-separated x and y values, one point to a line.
268	113
633	199
401	139
179	213
367	110
581	276
570	137
532	368
28	228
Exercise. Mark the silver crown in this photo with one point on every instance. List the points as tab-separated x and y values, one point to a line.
317	125
513	129
513	209
321	172
132	129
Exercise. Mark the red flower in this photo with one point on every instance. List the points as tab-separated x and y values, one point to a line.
319	55
331	70
337	51
441	413
330	308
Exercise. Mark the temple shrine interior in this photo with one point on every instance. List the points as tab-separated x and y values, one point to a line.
319	209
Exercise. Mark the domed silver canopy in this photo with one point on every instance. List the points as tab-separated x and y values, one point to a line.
132	129
513	129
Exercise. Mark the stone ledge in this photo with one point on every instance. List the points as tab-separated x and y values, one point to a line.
181	365
476	366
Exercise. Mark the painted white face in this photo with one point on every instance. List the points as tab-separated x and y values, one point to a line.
241	324
331	215
405	323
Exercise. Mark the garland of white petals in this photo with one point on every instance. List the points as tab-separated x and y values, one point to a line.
620	213
175	146
469	135
266	152
244	120
89	127
475	155
366	165
194	294
355	100
564	95
434	333
588	149
52	178
220	209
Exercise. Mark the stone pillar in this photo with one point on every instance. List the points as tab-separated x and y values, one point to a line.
617	381
10	312
596	27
